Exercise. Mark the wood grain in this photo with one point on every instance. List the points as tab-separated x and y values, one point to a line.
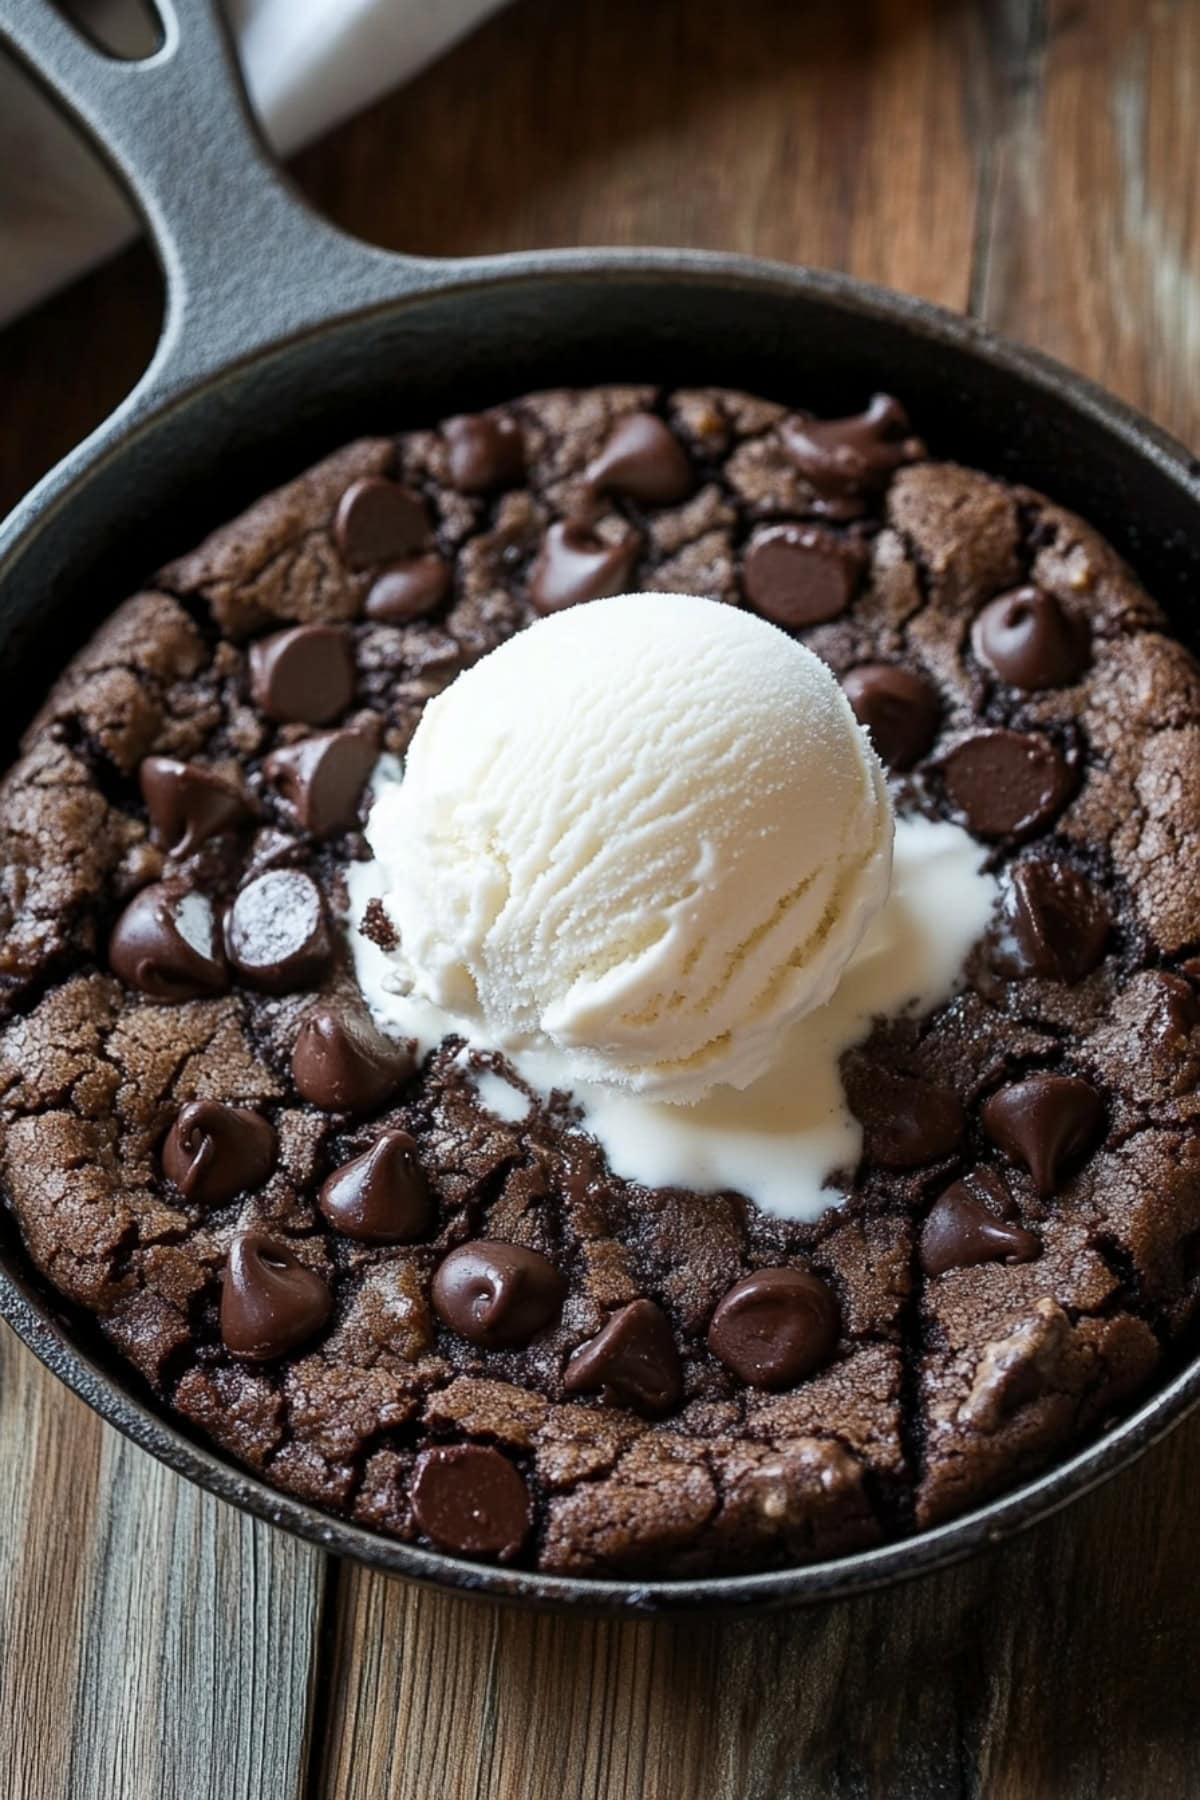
1090	234
154	1644
814	133
1033	159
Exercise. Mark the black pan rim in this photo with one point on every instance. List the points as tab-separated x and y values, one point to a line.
146	407
35	1320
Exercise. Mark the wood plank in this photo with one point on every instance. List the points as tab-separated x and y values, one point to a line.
66	366
154	1643
1091	236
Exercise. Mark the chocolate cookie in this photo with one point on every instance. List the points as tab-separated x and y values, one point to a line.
465	1331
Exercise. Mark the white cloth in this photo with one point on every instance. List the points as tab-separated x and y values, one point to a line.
308	64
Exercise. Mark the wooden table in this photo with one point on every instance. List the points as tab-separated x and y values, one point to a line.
1033	161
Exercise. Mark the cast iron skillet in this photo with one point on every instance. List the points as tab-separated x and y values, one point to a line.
282	338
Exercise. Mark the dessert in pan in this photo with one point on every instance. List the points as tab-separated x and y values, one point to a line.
608	984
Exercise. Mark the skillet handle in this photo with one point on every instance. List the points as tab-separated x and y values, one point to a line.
246	262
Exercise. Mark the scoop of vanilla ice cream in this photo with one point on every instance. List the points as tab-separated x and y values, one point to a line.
647	832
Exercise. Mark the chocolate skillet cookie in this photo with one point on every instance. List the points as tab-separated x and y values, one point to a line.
467	1332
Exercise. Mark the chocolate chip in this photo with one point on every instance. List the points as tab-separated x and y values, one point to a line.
468	1498
270	1302
304	675
188	804
342	1063
1046	1123
322	779
214	1151
1030	641
1006	783
1053	923
775	1326
408	590
898	707
961	1231
906	1121
483	451
844	459
573	566
378	521
497	1294
167	944
633	1361
801	574
382	1197
644	460
276	934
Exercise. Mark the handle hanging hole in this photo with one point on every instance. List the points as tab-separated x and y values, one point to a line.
126	30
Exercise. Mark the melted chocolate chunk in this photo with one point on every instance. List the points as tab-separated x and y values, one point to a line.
1030	641
497	1294
483	451
270	1302
166	943
775	1326
304	675
1054	923
1047	1123
469	1499
906	1121
960	1231
378	521
643	460
409	590
573	566
382	1197
188	804
343	1064
845	459
322	779
1006	783
276	933
214	1151
898	707
632	1361
801	575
